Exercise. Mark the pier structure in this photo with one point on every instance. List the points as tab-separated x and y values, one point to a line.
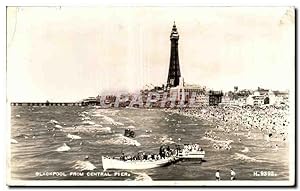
46	104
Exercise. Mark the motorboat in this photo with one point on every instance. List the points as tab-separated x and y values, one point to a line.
129	133
190	152
117	163
193	154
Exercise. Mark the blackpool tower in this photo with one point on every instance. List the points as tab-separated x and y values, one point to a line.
174	69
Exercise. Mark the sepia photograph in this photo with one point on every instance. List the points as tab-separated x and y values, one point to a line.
150	96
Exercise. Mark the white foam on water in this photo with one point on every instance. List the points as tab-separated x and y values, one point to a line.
120	139
88	122
63	148
85	118
81	115
112	121
108	111
239	156
245	150
58	126
53	121
73	136
119	123
166	140
108	119
84	165
87	129
192	124
97	115
104	129
144	136
14	141
142	177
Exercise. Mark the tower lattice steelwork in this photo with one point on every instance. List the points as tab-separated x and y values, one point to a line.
174	69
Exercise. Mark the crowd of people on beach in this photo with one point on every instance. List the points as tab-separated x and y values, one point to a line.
270	123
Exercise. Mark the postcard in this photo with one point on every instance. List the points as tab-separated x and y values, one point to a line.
151	96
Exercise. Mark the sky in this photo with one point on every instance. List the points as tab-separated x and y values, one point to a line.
70	53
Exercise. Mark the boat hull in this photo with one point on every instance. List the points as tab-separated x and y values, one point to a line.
109	163
196	155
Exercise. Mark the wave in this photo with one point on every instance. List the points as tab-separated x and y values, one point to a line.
84	165
239	156
166	140
53	121
88	122
81	115
85	118
73	136
97	115
128	107
144	136
192	124
217	141
142	177
120	139
88	129
245	150
112	121
26	136
13	141
119	123
58	126
108	111
105	129
63	148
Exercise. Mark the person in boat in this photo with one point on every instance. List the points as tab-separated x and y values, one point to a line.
153	156
144	156
232	174
122	157
129	133
158	157
177	148
218	175
162	151
168	148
